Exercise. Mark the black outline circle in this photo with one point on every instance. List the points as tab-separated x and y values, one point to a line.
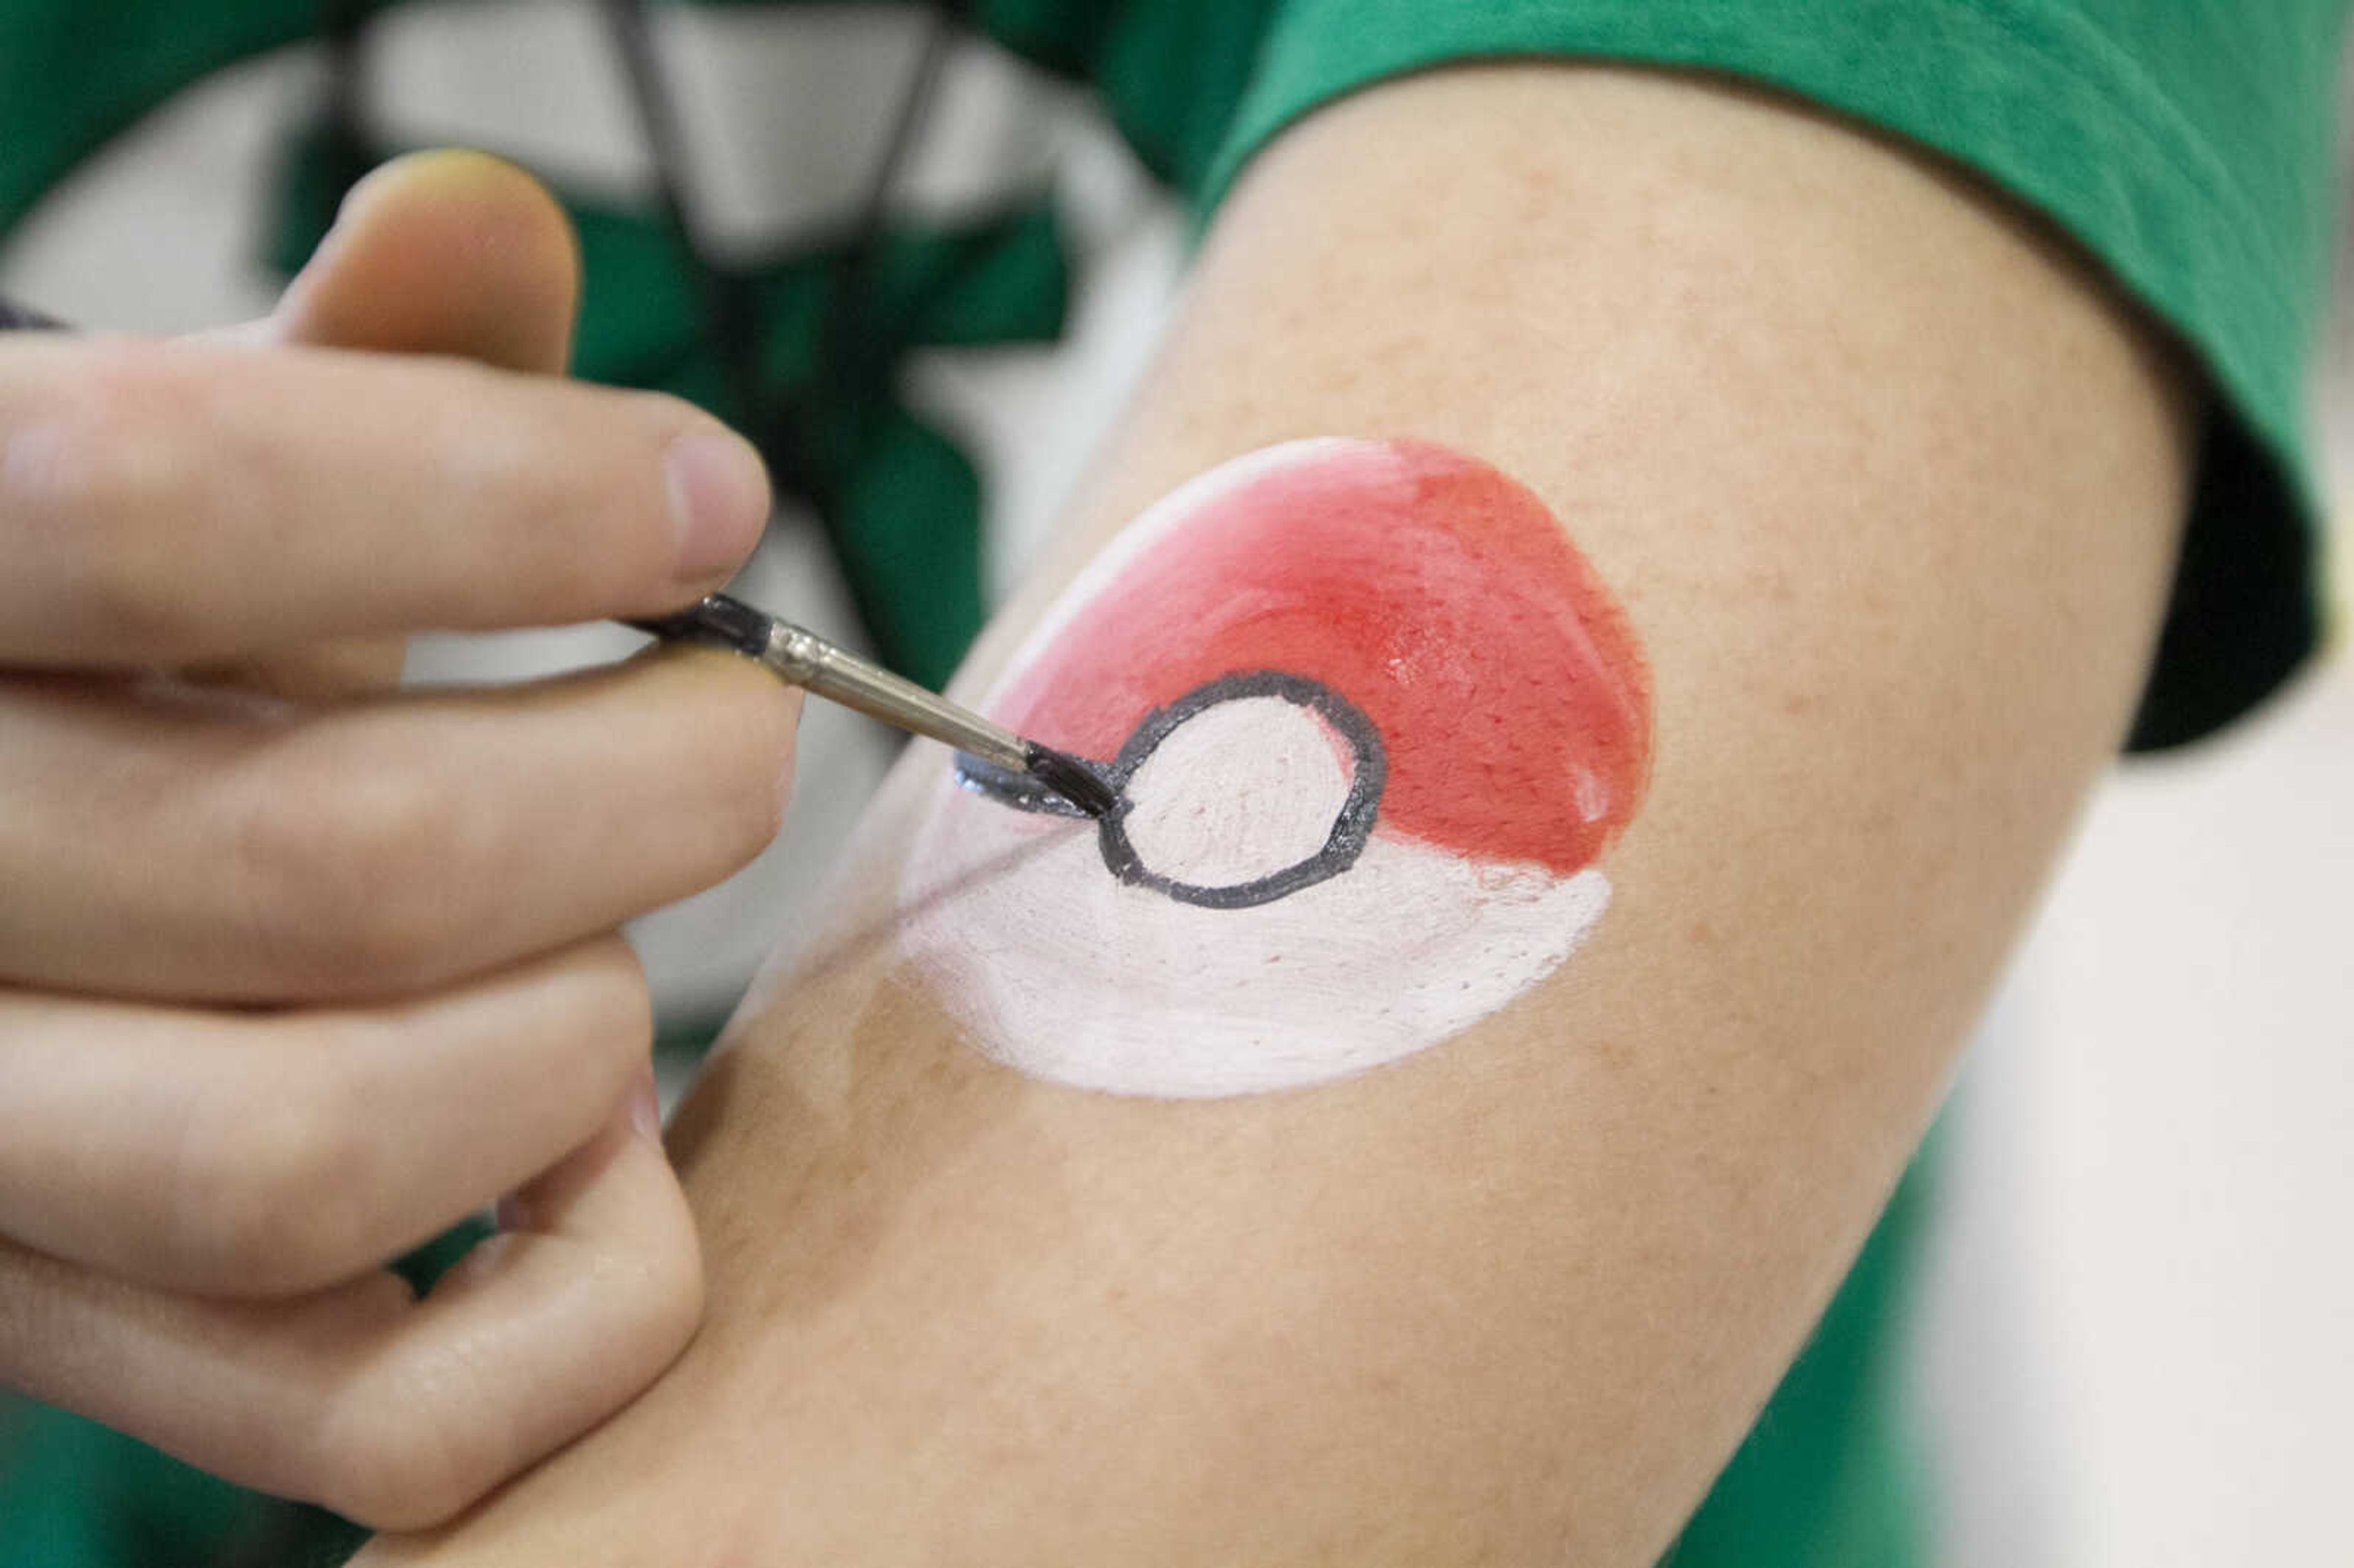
1350	828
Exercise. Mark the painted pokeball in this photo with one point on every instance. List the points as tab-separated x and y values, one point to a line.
1372	719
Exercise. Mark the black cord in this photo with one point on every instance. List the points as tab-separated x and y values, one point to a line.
846	319
853	357
342	24
731	327
731	324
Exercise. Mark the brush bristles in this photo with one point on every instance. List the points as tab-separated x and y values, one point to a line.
1071	778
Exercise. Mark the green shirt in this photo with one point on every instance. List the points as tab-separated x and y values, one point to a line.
2185	144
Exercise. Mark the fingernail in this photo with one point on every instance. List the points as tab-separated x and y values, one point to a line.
645	1109
719	503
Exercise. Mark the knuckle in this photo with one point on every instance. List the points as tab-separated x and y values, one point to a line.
752	789
348	870
670	1297
403	1463
111	472
272	1198
601	1013
570	482
616	1004
412	1440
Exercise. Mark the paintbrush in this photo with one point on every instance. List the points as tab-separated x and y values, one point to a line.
803	659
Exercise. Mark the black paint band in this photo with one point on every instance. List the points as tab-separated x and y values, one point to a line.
1350	828
714	621
1022	791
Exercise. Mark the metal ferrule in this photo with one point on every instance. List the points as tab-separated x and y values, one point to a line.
808	661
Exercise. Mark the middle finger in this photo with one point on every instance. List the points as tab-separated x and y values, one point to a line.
200	846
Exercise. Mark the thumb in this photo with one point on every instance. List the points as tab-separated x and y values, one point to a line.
447	252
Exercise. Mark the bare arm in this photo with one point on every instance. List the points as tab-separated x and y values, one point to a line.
1887	489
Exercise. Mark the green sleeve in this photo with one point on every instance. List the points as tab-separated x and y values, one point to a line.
2186	144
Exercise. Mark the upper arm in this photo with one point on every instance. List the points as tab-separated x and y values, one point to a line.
1883	487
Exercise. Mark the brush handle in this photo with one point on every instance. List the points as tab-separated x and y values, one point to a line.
801	658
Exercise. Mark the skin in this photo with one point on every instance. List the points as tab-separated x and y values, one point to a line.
1888	484
294	970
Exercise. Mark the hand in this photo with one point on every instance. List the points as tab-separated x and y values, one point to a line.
296	970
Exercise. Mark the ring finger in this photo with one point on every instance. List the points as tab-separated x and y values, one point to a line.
250	1155
393	1412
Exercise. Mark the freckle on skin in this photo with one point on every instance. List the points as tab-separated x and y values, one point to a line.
1615	1054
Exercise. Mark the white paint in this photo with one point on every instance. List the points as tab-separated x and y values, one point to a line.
1237	792
1062	972
1058	970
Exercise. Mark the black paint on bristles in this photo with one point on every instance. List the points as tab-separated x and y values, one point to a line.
1071	778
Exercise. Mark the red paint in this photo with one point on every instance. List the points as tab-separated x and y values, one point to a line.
1434	593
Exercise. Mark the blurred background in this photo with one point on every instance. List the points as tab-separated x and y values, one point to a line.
2132	1344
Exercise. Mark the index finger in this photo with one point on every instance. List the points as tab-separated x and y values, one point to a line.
164	503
